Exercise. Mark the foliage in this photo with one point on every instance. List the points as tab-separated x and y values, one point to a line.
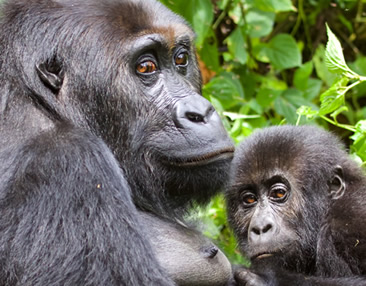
268	62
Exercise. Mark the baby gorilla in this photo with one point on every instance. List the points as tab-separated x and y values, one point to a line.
297	205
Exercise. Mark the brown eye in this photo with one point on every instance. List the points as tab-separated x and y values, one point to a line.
278	192
146	67
181	59
249	199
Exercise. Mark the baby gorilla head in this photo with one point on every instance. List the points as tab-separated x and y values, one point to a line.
279	189
297	206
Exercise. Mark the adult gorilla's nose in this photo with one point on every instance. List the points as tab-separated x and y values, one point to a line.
204	138
195	109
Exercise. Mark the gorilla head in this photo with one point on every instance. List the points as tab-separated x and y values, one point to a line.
129	75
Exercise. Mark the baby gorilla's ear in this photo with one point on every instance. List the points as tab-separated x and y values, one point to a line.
51	74
337	185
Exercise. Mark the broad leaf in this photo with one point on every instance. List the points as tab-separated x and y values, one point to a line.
273	5
226	88
260	23
236	45
302	75
283	52
333	98
334	58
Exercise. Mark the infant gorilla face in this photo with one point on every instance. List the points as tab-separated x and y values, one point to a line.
264	200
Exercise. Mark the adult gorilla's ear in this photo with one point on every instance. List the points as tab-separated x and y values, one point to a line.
337	185
52	74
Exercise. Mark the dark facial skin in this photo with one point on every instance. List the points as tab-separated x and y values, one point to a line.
266	233
294	199
101	118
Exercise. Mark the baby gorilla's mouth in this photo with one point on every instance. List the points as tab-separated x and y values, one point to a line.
205	159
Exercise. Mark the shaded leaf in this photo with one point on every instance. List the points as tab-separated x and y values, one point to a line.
283	52
260	23
225	87
236	45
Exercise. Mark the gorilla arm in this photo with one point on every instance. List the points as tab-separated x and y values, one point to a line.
64	202
189	258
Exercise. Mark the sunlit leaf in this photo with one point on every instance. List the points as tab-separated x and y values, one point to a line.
273	5
306	111
334	58
333	98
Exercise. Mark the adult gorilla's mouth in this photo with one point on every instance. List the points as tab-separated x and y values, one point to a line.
262	255
220	155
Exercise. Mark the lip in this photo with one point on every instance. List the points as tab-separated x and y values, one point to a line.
262	255
205	159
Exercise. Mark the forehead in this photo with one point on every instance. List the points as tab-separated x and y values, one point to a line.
139	18
259	160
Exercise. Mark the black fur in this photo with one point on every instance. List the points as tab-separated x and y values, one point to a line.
316	237
85	139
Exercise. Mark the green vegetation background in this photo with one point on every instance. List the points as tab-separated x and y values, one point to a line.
267	62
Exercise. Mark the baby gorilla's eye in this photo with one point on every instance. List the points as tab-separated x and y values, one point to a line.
249	199
278	192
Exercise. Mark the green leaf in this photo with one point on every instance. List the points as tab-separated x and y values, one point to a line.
334	58
220	110
359	138
360	131
259	23
222	4
236	45
302	75
333	98
338	111
199	13
288	103
306	111
234	116
209	53
273	5
283	52
202	11
321	70
313	88
226	88
266	96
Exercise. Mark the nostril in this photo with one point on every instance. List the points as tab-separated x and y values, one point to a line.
259	231
267	228
211	251
256	231
194	117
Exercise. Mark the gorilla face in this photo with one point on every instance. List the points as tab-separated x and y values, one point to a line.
131	77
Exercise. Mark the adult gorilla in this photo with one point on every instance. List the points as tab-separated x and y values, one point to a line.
100	100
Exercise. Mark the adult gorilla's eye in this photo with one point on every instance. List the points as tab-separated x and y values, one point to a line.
146	67
249	199
181	59
278	192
